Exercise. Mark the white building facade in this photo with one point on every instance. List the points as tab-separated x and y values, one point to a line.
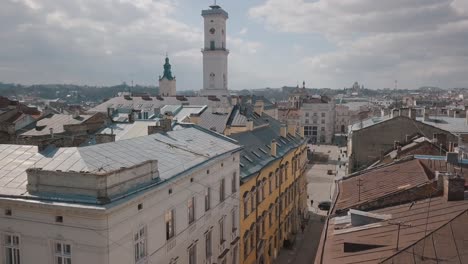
215	53
318	119
170	201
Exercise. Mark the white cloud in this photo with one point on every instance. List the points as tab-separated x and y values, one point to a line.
101	42
420	42
243	31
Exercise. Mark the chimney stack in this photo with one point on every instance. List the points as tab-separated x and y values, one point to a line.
426	114
234	100
273	148
454	187
301	131
292	129
195	118
51	132
227	131
283	131
250	125
259	107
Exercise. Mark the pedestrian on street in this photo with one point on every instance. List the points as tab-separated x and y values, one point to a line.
312	203
302	227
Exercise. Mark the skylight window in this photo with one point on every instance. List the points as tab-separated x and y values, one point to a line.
262	150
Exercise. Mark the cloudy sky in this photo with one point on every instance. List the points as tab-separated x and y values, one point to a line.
327	43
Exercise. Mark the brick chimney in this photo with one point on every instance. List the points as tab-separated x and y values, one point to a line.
454	187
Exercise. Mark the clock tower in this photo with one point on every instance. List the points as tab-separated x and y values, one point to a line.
215	54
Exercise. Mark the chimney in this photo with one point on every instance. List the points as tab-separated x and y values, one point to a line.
395	112
407	138
164	125
250	125
396	144
273	147
412	113
234	100
195	118
466	118
283	131
454	187
405	112
301	131
76	114
227	131
110	112
426	114
51	132
292	129
259	107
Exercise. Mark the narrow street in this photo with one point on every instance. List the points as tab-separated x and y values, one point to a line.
320	187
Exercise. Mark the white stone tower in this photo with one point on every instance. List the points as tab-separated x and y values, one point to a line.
167	83
215	54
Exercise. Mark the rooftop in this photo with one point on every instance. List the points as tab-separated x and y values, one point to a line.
451	124
56	123
256	153
176	152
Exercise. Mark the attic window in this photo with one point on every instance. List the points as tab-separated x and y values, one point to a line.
247	158
268	146
282	141
356	247
242	165
277	143
59	219
262	150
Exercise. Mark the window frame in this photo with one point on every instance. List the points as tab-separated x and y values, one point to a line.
65	257
14	247
140	243
172	233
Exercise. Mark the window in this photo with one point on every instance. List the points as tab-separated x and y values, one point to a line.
323	121
234	182
246	205
193	254
191	210
270	183
207	199
12	249
221	191
140	244
234	219
212	45
221	231
170	224
208	246
234	255
323	114
62	254
246	246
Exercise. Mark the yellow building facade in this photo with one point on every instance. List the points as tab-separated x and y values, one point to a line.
273	191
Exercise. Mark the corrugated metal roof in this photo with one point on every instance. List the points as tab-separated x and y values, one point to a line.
176	151
56	122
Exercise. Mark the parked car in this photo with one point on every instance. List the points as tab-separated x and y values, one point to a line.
324	205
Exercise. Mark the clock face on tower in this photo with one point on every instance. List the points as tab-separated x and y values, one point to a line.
212	30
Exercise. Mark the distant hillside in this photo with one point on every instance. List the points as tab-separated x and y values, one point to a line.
71	92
